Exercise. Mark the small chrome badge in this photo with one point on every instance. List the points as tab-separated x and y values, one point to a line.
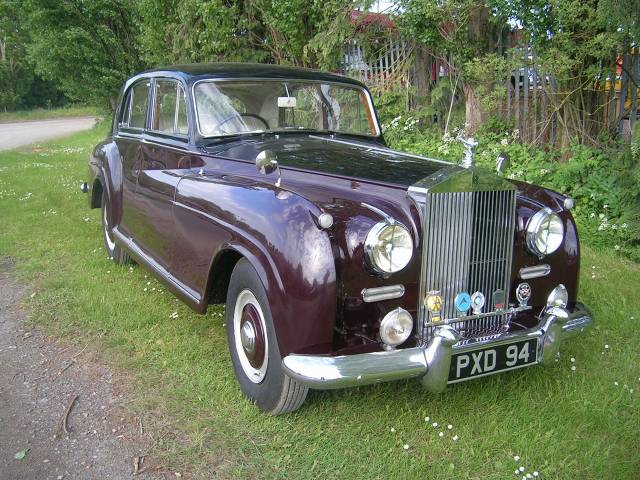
462	302
523	293
477	302
498	299
433	302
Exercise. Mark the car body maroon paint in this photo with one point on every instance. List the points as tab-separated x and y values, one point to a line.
189	207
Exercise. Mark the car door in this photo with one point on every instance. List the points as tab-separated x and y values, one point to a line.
131	126
165	159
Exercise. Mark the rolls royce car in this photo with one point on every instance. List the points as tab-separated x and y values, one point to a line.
341	262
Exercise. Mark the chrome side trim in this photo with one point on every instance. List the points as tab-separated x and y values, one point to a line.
378	294
432	362
537	271
133	248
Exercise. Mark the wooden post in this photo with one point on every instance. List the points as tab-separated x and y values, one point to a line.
525	106
635	79
624	85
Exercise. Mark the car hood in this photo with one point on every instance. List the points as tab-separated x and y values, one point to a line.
336	157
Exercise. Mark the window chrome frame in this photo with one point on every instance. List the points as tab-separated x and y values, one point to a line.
179	85
284	80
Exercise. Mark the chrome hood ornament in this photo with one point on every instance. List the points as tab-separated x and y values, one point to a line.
469	144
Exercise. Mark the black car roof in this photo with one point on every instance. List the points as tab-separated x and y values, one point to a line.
197	71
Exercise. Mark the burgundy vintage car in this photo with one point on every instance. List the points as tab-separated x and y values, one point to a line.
341	262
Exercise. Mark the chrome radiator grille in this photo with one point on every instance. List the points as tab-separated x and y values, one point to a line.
467	247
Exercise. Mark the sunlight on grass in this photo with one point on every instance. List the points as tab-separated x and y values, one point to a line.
563	423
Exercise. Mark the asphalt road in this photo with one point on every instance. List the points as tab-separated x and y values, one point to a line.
14	135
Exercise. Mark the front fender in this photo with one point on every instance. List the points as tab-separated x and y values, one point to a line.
276	231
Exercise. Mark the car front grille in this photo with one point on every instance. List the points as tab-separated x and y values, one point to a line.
467	247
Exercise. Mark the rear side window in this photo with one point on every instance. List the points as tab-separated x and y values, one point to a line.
170	113
138	101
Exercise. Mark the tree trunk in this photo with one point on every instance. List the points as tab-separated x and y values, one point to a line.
421	75
474	116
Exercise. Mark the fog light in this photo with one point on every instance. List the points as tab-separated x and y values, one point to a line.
559	297
396	327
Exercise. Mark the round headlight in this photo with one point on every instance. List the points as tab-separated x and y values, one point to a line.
396	327
388	247
559	297
545	232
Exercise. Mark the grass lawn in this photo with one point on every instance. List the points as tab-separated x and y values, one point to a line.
47	113
563	423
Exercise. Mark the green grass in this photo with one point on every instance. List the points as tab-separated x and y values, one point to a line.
565	424
46	113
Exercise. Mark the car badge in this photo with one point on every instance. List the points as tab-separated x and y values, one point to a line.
498	299
433	302
462	302
523	294
477	302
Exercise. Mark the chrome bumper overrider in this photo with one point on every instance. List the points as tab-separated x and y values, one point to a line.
430	363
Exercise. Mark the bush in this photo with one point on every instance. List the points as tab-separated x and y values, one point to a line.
604	182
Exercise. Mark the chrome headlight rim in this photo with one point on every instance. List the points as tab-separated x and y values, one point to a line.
398	317
535	224
372	240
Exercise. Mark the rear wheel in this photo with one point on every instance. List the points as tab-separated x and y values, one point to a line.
253	346
115	251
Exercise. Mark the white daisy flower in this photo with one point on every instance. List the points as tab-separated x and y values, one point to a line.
406	446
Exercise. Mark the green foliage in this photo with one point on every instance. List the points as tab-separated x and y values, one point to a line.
88	47
297	32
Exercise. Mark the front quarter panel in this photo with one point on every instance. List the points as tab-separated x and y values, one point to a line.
276	230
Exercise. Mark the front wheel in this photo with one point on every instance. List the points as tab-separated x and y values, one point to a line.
253	346
115	252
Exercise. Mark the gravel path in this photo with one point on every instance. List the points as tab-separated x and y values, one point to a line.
14	135
38	380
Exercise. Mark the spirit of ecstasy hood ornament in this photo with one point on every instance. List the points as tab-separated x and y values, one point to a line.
469	144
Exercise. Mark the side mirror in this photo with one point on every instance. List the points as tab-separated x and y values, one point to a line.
502	163
267	162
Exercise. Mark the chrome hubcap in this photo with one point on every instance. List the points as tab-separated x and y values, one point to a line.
248	337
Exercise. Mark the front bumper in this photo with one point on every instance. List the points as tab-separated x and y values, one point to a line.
431	363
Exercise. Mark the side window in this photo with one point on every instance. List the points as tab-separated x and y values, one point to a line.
170	115
139	101
126	111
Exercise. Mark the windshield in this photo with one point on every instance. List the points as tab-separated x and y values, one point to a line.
232	107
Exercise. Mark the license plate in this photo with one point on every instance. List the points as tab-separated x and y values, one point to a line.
490	360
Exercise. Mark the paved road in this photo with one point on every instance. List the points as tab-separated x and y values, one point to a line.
14	135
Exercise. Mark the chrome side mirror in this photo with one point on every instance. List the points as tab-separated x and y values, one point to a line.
502	163
267	162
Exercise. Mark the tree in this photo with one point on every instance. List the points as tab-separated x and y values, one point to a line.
298	32
463	35
15	73
89	47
